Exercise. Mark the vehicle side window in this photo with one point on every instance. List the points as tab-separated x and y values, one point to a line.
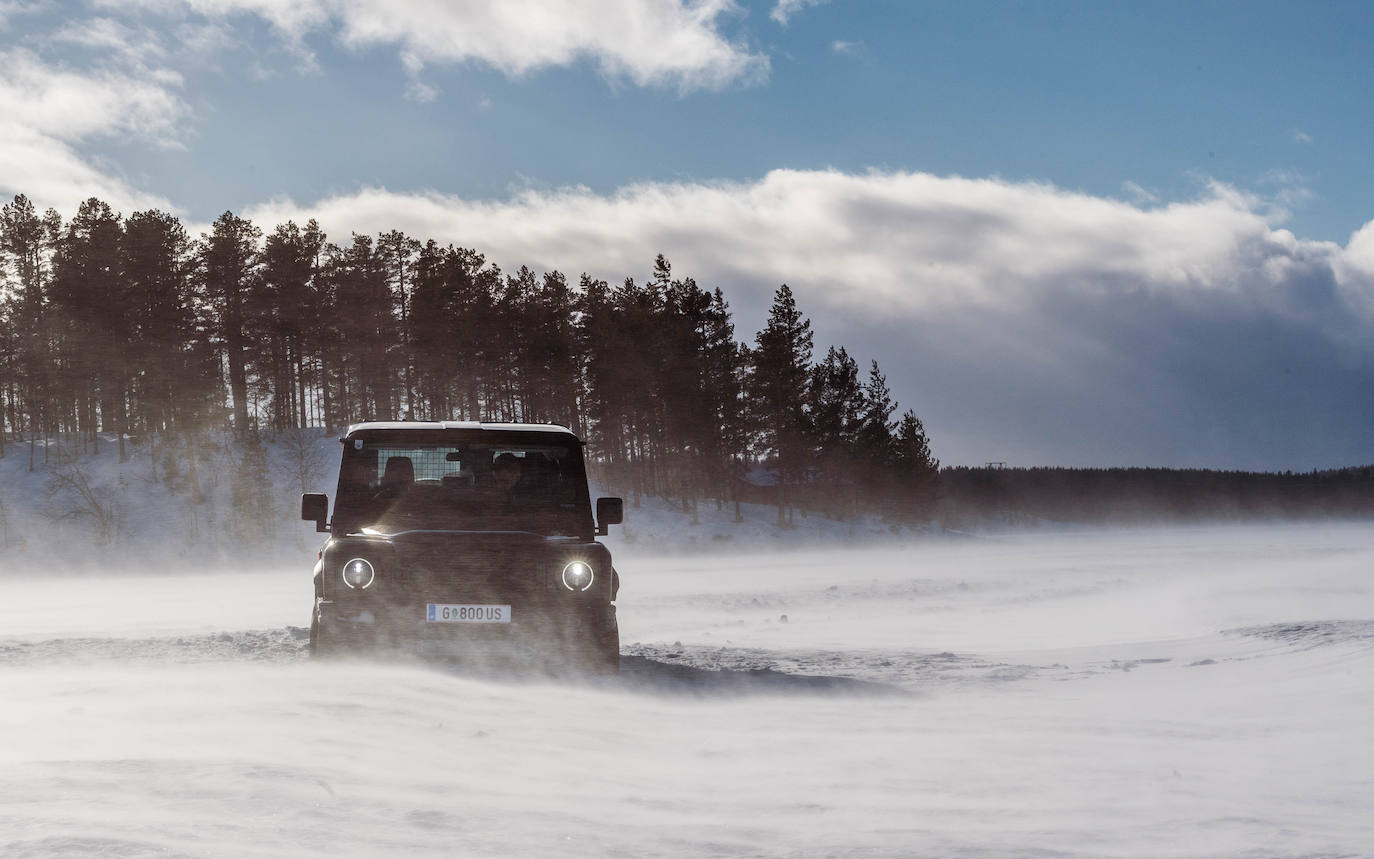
427	464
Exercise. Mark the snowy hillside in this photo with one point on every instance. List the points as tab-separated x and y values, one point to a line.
1151	693
86	511
78	513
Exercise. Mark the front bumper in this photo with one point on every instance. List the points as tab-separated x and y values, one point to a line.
534	634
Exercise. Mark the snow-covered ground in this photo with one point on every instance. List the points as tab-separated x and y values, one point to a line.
1147	693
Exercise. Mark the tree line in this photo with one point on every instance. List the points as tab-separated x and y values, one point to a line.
1115	496
132	328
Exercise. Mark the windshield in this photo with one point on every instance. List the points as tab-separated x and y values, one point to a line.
405	482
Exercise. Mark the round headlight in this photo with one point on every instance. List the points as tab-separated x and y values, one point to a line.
358	573
577	576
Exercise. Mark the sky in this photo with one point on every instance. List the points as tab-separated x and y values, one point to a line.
1071	233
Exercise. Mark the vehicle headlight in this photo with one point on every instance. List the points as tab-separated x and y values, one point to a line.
577	576
358	573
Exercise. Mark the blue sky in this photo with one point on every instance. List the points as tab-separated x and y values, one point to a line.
1266	96
1019	173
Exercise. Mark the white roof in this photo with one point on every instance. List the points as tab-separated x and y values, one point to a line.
456	425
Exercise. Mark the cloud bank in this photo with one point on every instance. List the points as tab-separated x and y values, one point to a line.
1025	322
647	42
47	111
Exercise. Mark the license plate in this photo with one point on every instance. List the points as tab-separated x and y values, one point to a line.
461	613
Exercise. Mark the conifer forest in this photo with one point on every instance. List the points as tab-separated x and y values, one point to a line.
128	328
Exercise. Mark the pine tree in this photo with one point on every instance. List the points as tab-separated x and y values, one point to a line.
27	242
781	366
157	265
874	436
599	338
280	295
229	266
397	254
368	332
552	319
916	469
724	364
477	334
638	310
426	332
689	416
836	410
519	367
91	320
9	341
287	320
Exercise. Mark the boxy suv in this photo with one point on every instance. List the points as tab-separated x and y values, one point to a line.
469	541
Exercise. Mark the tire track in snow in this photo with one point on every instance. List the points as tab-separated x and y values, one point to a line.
714	670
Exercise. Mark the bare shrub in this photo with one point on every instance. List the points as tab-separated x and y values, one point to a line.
72	495
304	461
251	492
7	539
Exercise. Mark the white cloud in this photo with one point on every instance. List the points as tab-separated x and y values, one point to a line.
1290	189
1355	267
293	19
417	90
55	175
1138	193
1300	136
648	42
10	9
785	9
74	105
840	46
1022	321
869	243
47	111
139	48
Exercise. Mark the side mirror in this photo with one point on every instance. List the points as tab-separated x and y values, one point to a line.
315	508
609	511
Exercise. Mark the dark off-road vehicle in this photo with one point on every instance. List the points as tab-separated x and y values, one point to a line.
467	541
